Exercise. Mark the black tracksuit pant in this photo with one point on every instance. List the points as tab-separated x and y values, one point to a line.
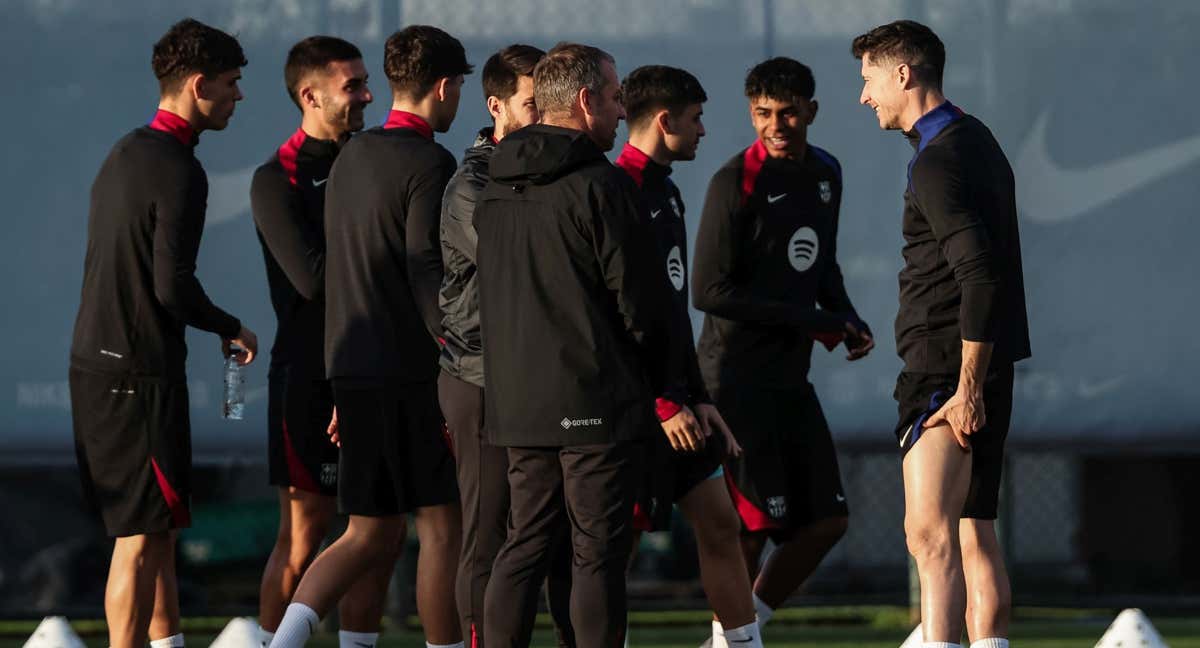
590	488
483	488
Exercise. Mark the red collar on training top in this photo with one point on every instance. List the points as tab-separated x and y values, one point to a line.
403	119
169	122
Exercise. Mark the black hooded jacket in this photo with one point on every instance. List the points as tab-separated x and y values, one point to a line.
575	313
462	353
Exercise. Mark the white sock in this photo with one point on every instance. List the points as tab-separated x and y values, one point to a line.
990	642
763	611
940	644
264	637
174	641
299	622
718	640
747	636
348	639
453	645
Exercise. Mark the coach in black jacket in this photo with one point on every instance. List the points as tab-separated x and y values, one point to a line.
574	322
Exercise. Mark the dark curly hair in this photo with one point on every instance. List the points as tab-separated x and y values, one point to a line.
780	78
190	46
651	88
415	57
905	41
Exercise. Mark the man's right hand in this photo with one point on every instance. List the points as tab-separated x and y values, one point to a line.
332	430
683	431
246	343
858	342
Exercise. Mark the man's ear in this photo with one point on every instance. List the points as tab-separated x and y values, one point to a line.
196	86
584	101
812	114
904	76
308	96
495	107
443	84
666	125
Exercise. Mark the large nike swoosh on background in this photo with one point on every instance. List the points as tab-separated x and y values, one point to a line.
228	195
1048	193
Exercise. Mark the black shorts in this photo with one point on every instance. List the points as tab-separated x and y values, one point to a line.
396	454
133	442
299	451
787	477
669	476
920	395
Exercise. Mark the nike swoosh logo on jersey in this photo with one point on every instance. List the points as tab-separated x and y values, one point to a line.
318	184
840	497
774	199
654	214
1049	193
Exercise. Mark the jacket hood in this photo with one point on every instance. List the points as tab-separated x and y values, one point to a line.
540	154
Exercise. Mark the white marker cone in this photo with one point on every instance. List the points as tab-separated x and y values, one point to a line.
1131	629
54	632
914	638
240	632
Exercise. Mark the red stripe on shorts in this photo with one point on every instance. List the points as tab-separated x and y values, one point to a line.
641	521
298	475
752	516
180	516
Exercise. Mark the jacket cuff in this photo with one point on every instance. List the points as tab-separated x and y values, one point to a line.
666	408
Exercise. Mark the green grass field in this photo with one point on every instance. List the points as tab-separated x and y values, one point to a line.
863	627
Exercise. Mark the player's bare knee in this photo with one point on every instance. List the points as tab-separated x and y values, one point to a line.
719	531
929	541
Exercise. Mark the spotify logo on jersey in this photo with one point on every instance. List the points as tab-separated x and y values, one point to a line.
675	267
802	249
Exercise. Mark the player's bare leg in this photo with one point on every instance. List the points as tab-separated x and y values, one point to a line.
989	597
366	542
361	608
304	520
937	472
132	582
723	571
164	621
439	530
794	561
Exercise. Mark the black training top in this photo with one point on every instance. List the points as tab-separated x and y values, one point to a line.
139	285
664	205
287	198
962	276
766	257
383	260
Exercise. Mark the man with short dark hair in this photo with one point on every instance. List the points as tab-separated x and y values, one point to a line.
383	273
766	259
482	467
961	326
129	397
573	316
326	79
663	107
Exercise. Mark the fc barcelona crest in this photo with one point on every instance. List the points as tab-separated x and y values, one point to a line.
777	506
825	188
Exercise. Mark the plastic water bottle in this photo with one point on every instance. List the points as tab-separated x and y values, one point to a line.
235	390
